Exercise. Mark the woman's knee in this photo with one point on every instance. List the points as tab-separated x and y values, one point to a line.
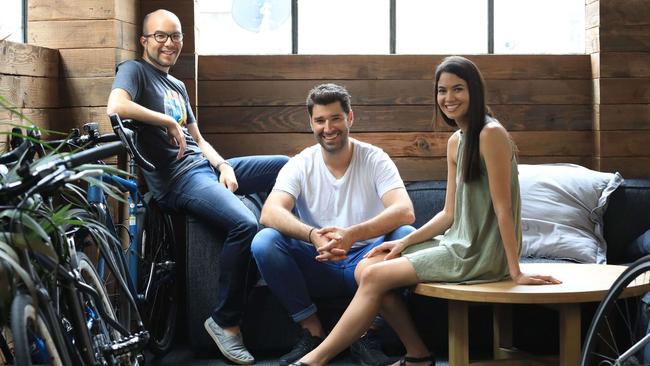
371	275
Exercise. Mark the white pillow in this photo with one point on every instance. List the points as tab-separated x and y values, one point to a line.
562	207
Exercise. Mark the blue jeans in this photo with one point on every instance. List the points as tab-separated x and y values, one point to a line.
199	193
295	277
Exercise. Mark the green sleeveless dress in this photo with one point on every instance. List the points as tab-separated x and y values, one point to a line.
471	250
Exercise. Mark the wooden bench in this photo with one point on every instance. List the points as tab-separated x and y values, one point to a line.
581	283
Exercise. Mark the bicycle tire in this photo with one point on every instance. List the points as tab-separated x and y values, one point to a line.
121	304
157	282
89	274
618	323
31	335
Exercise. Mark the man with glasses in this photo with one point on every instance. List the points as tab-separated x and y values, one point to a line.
190	175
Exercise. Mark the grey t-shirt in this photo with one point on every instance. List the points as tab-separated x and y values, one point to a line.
161	92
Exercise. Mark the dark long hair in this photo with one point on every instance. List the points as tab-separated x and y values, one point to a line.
477	111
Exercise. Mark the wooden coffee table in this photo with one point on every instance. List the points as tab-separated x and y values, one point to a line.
581	283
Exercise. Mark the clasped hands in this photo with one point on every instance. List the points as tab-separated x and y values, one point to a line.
332	243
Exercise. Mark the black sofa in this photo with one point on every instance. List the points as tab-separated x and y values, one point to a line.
267	327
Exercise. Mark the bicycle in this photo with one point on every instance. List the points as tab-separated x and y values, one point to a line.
148	265
619	334
68	318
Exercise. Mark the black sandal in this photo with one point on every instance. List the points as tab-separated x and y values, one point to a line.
406	359
298	363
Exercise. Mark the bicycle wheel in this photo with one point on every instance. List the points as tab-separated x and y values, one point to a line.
33	341
617	334
157	285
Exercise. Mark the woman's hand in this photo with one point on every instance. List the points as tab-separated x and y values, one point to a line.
535	279
393	249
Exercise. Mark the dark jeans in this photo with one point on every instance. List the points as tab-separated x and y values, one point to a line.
294	276
199	193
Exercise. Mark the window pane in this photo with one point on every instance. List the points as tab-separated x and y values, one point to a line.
343	27
11	20
441	26
243	27
539	26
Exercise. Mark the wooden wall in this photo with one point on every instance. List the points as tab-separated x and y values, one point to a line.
29	81
256	105
618	34
92	37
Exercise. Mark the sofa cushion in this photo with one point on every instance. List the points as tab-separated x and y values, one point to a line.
562	211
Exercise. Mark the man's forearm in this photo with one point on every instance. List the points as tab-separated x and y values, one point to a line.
388	220
130	109
285	222
210	153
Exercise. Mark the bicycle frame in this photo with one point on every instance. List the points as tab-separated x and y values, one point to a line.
96	198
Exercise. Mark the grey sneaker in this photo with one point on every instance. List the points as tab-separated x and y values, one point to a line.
232	347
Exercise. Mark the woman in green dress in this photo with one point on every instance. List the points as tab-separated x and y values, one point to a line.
475	238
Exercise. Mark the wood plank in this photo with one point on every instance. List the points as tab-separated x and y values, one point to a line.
128	11
78	116
92	62
592	15
190	85
624	64
630	167
592	40
296	119
30	92
404	144
578	117
391	67
390	118
86	92
624	90
29	60
629	38
185	67
74	34
623	13
389	92
70	10
624	143
43	118
624	117
419	169
184	9
595	65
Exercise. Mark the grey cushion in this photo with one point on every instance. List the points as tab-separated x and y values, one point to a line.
562	211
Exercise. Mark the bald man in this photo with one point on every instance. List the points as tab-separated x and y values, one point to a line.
191	176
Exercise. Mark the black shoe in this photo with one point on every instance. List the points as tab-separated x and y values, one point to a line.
367	351
306	344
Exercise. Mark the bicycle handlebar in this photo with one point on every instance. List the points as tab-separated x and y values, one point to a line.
126	136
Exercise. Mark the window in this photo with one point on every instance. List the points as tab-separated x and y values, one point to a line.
390	26
12	20
243	27
343	26
441	27
531	26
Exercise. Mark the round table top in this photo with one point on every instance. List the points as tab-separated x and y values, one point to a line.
580	283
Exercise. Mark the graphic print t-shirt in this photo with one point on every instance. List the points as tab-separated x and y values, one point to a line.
161	92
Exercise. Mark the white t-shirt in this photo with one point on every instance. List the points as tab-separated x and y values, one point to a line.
322	200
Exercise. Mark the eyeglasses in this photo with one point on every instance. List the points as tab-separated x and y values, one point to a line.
161	37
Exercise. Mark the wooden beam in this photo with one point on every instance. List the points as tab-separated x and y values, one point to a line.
125	10
92	62
405	144
389	92
624	64
624	117
386	67
624	143
29	60
74	34
30	92
625	91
